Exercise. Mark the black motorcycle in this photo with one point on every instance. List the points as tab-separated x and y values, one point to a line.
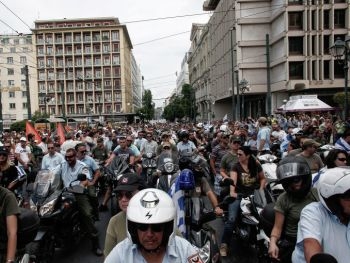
59	219
114	171
149	166
167	171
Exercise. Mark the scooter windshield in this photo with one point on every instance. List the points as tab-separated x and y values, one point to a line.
45	183
167	162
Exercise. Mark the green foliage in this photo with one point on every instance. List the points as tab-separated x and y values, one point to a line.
182	106
147	110
38	115
18	126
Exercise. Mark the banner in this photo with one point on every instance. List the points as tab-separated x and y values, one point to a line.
61	132
30	129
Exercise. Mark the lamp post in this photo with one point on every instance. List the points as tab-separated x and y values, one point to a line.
338	50
243	88
46	100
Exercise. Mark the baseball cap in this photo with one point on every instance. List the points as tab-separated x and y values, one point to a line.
310	142
23	139
129	182
3	150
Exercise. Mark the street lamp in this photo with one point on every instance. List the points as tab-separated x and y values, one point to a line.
46	100
338	50
243	88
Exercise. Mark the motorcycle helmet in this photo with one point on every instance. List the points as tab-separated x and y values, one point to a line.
151	206
333	184
186	180
293	169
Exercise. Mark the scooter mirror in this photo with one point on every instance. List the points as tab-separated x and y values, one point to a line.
226	182
81	177
323	258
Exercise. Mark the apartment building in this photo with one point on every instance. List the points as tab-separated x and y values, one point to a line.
16	52
84	68
298	35
182	77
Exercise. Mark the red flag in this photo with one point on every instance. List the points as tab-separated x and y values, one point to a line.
30	129
61	132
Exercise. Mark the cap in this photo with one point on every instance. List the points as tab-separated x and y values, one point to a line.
166	144
23	139
129	182
310	142
3	150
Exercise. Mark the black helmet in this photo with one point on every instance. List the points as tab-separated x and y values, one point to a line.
293	169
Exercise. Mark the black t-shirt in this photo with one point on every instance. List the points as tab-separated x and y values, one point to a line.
246	182
8	175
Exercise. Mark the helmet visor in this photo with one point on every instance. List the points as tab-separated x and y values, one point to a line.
289	170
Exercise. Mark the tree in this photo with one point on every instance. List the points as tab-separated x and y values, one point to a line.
147	109
339	98
18	126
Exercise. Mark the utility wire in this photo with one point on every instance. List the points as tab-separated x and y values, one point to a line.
9	26
15	15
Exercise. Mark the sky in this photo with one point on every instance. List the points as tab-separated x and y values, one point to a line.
159	60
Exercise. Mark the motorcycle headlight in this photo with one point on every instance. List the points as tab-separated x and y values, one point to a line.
169	167
204	252
47	208
149	155
33	206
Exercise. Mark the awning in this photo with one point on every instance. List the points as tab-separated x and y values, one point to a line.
304	103
54	119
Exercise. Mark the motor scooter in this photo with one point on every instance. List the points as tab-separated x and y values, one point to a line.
149	166
59	218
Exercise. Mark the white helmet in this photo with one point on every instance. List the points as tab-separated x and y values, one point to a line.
334	182
151	206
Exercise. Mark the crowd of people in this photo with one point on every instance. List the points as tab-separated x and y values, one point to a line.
145	227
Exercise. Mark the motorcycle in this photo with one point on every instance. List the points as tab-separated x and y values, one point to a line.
149	166
58	213
114	171
167	170
198	232
248	229
269	166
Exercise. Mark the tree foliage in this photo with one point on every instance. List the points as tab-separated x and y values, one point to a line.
182	106
339	98
147	109
18	126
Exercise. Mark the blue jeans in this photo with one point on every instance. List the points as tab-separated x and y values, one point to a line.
233	210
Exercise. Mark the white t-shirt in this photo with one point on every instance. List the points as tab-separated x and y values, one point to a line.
23	153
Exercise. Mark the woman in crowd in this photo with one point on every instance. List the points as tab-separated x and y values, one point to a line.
247	175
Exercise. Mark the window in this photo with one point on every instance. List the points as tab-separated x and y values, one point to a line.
326	19
10	71
295	20
12	106
1	50
12	94
24	105
115	35
116	60
338	70
11	83
23	60
24	94
296	70
295	2
23	71
295	45
23	83
326	44
107	72
339	18
10	60
13	50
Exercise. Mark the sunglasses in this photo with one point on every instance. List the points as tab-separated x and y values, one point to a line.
341	159
120	195
236	142
83	152
129	140
166	148
153	227
3	154
69	156
49	148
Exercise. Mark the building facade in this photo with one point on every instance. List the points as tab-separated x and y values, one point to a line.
84	68
182	77
280	47
16	53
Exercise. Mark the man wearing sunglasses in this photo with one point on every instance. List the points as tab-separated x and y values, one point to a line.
68	171
151	232
52	158
128	185
324	225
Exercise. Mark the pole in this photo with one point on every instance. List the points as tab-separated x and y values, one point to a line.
63	101
243	113
346	71
1	119
232	78
268	72
238	105
26	73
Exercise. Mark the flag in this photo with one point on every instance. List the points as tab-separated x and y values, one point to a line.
30	129
61	132
179	200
